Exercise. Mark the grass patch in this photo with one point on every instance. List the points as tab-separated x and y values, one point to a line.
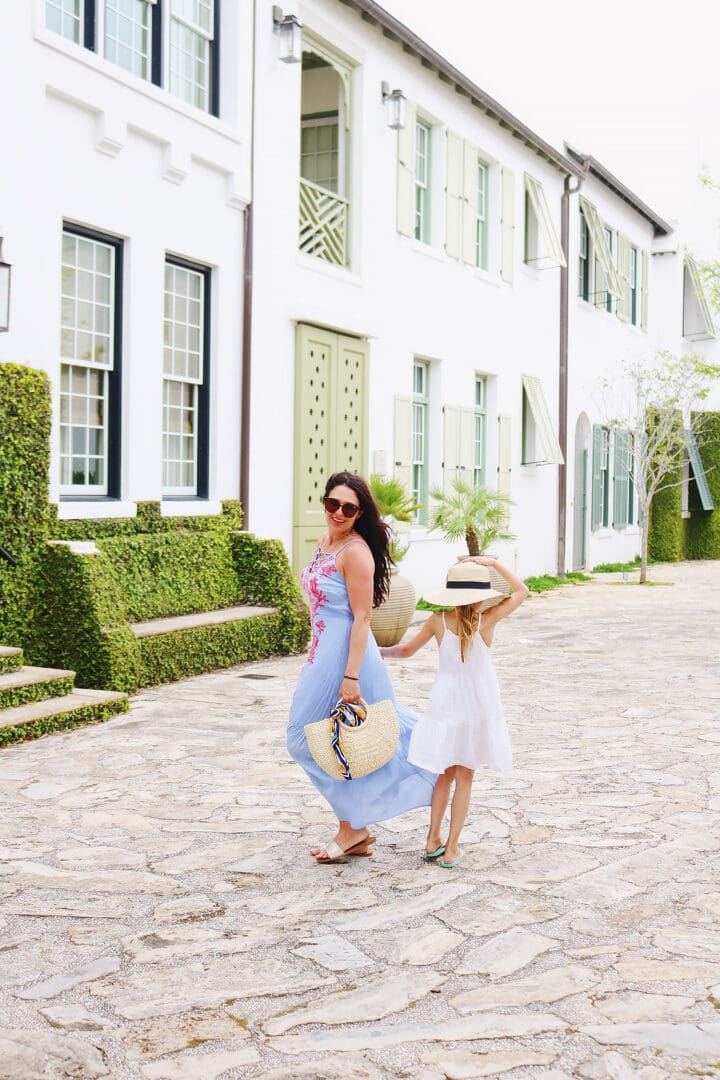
620	567
422	605
546	582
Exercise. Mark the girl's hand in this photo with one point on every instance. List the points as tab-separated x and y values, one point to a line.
350	691
482	560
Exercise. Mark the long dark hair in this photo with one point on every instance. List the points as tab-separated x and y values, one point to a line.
371	527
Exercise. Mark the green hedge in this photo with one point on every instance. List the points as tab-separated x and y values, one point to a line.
75	718
11	697
666	538
24	508
173	573
266	580
702	528
148	519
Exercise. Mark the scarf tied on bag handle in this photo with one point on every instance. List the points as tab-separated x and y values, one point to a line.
351	715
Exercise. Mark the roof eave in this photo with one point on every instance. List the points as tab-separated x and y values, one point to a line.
596	169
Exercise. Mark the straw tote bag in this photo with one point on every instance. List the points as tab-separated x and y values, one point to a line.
355	739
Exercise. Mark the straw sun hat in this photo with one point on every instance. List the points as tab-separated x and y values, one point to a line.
466	583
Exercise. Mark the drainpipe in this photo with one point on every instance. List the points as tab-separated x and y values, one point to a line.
563	370
246	377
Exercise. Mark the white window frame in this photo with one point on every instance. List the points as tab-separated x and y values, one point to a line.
175	329
423	184
61	6
482	237
419	433
101	31
480	440
634	286
73	360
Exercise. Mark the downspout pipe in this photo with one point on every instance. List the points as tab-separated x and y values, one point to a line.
247	319
563	370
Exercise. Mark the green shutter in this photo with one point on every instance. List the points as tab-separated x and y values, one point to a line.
603	255
699	472
451	445
644	292
406	174
402	441
621	480
454	196
507	225
470	205
504	453
596	507
551	241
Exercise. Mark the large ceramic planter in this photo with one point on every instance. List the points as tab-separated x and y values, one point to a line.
390	621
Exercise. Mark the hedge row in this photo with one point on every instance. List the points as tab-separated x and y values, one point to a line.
148	519
24	507
673	537
75	718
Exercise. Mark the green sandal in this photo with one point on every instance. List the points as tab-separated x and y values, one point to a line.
430	856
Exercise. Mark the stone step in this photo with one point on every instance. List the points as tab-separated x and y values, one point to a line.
173	623
59	714
29	684
10	658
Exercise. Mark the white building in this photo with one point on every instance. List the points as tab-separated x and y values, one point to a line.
398	305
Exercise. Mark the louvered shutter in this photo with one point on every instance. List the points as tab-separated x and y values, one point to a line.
596	507
644	292
624	266
504	453
451	444
470	205
402	441
454	196
406	174
507	225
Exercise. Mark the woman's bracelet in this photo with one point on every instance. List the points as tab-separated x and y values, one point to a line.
353	678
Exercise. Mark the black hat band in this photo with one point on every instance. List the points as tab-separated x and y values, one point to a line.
468	585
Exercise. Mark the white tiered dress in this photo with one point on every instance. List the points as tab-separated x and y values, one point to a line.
463	723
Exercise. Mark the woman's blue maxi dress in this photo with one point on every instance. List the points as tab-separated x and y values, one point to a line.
397	786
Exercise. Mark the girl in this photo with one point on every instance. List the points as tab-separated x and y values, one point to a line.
463	726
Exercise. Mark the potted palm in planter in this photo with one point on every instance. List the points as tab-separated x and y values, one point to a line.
390	621
476	515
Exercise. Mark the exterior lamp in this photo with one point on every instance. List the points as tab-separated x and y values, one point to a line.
395	102
289	31
4	291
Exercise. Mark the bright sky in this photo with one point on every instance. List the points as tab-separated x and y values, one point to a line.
635	83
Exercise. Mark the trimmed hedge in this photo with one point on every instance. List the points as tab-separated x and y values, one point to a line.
173	573
666	538
26	695
24	507
10	663
702	528
148	519
50	725
267	580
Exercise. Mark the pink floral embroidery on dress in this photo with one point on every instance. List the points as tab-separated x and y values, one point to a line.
318	600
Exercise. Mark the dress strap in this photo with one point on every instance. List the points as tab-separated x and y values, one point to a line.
355	540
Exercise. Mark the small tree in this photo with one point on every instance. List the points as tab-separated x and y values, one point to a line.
395	506
660	416
476	515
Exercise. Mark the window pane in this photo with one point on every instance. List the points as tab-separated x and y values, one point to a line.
63	17
87	283
127	35
184	330
189	65
83	432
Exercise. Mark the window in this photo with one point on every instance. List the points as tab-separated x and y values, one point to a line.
698	323
89	369
423	134
480	429
64	17
600	516
172	43
634	295
482	216
319	143
584	260
185	368
420	403
607	294
623	483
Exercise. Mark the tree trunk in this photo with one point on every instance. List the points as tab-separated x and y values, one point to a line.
471	540
644	544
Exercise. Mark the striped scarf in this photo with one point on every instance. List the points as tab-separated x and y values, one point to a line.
351	716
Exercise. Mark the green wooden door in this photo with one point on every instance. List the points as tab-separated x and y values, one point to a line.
330	425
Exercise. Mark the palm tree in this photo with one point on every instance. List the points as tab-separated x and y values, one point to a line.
476	514
395	505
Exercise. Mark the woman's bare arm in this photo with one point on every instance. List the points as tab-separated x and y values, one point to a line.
358	570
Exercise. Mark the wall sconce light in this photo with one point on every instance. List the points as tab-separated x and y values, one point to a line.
289	31
394	107
4	291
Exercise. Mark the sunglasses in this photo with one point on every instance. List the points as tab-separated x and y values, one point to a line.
333	505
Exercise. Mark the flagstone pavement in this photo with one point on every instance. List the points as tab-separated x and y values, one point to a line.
160	916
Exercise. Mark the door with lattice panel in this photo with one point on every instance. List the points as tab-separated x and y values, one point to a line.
330	425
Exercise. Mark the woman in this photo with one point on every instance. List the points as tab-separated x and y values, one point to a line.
348	576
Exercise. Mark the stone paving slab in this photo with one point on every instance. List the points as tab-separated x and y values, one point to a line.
160	916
